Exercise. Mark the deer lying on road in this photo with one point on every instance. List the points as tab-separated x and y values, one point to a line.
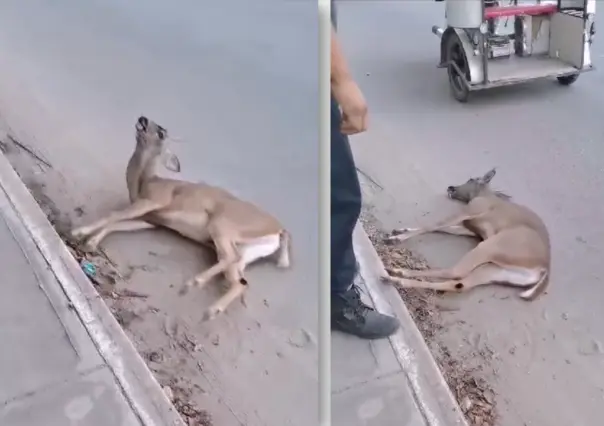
240	232
515	247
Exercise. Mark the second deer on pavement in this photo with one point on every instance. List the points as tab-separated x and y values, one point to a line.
239	231
515	247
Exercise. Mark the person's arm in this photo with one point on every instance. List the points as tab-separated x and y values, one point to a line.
346	92
339	67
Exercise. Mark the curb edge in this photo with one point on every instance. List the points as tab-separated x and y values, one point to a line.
432	394
139	386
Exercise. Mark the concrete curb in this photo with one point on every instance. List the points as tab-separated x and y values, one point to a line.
138	384
431	392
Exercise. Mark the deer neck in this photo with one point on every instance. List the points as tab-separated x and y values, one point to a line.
140	169
497	195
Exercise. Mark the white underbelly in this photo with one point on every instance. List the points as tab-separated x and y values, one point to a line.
518	276
259	248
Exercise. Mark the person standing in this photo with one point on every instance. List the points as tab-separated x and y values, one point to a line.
348	117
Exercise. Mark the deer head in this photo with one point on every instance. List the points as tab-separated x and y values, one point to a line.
150	142
473	188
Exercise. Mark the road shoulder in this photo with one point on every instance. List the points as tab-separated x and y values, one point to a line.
139	387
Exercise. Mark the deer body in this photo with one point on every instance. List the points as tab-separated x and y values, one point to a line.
239	231
515	247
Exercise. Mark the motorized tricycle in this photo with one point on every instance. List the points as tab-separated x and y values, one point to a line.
489	43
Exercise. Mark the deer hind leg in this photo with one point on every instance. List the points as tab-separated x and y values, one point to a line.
250	252
133	211
488	273
125	226
228	256
237	289
260	248
480	255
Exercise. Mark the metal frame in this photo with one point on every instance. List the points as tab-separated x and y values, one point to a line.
483	47
482	82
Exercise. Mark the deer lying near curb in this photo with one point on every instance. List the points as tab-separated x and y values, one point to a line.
515	248
239	231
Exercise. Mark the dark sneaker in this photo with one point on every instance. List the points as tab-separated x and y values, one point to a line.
350	315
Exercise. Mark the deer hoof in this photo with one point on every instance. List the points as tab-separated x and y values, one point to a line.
400	231
185	288
393	239
283	263
396	272
92	244
387	279
79	234
211	313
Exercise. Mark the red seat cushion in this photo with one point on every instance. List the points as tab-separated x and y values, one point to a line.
532	9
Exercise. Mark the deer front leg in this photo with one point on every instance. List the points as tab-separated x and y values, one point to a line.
133	211
125	226
451	230
452	225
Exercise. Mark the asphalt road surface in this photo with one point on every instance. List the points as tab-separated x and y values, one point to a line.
237	83
547	142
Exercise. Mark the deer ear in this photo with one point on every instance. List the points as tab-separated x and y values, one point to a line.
171	161
489	175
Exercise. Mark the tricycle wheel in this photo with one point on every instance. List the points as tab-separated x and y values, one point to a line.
456	55
567	80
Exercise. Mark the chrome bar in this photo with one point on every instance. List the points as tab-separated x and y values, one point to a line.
438	31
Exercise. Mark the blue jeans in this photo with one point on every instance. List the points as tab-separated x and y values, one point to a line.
345	206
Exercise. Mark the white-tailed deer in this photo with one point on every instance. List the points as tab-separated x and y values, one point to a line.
239	231
515	248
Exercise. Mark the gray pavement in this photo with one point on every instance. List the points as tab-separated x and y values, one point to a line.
55	366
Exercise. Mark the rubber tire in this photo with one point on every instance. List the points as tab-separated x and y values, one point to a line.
567	80
461	94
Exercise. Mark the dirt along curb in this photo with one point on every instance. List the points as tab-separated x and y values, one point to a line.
447	391
140	387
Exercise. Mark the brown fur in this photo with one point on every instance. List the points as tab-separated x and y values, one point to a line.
209	215
515	247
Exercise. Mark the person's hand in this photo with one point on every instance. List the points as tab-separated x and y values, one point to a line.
353	105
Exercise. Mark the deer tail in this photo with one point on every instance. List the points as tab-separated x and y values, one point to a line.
538	289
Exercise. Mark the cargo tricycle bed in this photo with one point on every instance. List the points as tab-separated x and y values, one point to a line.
490	43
